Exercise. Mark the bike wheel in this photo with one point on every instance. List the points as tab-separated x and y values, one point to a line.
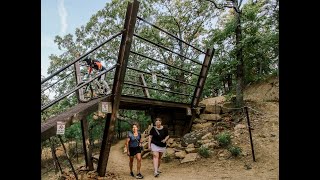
87	93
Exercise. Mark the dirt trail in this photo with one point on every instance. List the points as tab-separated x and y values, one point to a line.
266	146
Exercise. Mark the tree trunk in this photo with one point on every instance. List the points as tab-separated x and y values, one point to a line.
240	66
229	81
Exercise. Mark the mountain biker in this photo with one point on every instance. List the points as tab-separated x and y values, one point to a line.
97	65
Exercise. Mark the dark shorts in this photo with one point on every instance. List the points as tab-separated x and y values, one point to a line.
134	150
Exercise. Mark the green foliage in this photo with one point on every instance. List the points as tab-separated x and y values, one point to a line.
74	131
204	152
166	158
230	97
224	139
235	150
260	45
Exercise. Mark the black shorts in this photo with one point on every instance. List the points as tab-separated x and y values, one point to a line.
134	150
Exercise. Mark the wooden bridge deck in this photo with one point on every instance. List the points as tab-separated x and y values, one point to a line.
81	110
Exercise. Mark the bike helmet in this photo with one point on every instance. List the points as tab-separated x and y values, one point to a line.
87	59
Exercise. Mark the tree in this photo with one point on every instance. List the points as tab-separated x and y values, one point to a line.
247	43
240	67
187	20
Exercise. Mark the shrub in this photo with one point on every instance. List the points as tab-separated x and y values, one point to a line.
224	139
235	150
204	152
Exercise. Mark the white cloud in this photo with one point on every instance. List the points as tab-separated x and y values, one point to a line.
63	17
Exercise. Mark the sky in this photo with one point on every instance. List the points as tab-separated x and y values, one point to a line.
62	17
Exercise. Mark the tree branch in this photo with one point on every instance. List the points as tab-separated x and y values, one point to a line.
222	7
215	5
240	4
172	14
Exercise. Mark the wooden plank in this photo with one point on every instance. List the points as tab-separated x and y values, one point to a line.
139	101
74	114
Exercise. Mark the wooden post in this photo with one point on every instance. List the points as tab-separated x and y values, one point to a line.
65	151
143	82
119	131
201	81
78	80
202	78
249	127
77	151
87	148
54	157
127	36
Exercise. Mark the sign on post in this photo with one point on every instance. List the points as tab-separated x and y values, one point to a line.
105	107
60	127
154	78
189	112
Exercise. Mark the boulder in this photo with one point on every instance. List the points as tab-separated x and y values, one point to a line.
190	157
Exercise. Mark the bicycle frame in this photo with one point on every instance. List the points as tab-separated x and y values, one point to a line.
94	89
97	86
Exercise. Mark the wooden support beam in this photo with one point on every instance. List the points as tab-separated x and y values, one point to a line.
87	149
79	92
54	157
145	89
201	81
127	36
202	78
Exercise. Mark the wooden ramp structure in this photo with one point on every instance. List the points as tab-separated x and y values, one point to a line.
174	113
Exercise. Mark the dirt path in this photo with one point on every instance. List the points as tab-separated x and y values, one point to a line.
266	146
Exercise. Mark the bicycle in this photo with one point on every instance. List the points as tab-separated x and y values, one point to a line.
94	89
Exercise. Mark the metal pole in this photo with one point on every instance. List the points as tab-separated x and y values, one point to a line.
138	85
163	47
169	34
249	127
159	75
65	151
152	59
44	107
